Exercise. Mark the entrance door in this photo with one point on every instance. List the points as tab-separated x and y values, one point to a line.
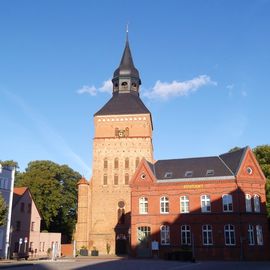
121	244
144	241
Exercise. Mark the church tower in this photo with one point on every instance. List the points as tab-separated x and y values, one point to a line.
122	137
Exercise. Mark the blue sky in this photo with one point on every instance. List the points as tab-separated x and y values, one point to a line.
204	67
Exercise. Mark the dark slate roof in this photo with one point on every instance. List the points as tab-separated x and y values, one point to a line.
124	103
198	166
126	67
233	159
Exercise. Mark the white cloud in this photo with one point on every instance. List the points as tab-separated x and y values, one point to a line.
88	89
106	87
166	90
93	91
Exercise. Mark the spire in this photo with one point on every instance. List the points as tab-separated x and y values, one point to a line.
126	77
126	66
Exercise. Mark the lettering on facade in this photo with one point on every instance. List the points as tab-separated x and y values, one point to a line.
193	186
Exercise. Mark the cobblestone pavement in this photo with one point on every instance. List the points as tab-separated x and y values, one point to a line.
131	264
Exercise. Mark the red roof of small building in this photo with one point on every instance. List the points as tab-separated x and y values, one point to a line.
19	190
83	181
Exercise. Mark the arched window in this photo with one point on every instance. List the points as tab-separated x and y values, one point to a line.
116	163
121	216
184	204
137	162
251	238
205	203
126	179
115	180
207	235
248	203
164	205
257	203
126	163
164	235
105	179
105	163
229	235
121	212
185	235
227	203
143	205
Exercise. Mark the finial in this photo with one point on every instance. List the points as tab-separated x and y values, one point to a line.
127	32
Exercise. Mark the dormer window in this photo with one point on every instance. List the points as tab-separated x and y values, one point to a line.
188	173
168	175
210	172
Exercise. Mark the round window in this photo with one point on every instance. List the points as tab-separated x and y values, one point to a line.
143	176
249	170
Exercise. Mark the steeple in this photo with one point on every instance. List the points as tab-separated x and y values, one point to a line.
126	78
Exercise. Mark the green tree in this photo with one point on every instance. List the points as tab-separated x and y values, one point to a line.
3	211
54	189
262	153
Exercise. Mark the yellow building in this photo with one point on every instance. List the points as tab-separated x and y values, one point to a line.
122	137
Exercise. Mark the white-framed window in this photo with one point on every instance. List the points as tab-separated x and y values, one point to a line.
227	203
205	203
185	235
251	239
184	204
207	235
257	203
164	235
143	205
143	234
259	234
248	203
164	205
229	235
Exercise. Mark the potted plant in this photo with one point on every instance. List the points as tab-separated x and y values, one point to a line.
84	251
94	252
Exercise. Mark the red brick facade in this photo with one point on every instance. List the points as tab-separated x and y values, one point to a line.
240	222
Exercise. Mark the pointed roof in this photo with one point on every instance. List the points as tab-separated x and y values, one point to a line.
234	159
126	103
19	190
126	67
83	181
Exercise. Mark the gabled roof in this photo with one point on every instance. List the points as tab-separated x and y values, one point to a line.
125	103
19	190
83	181
17	194
190	168
234	159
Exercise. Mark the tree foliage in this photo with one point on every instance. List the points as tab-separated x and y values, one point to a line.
3	211
262	153
54	189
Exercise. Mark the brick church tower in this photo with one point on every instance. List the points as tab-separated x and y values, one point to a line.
122	137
